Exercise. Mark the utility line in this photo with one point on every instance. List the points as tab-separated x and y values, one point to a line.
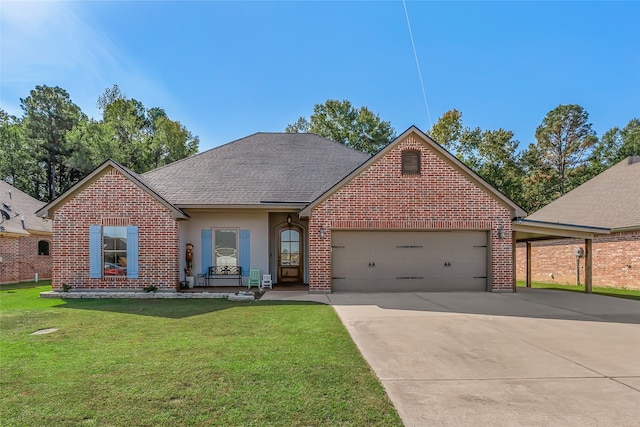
424	94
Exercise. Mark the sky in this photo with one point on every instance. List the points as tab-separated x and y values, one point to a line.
229	69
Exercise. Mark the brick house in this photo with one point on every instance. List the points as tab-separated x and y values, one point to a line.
297	206
610	200
25	239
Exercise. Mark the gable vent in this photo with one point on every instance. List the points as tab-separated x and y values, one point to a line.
411	162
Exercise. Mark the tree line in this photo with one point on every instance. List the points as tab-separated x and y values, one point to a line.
567	151
54	144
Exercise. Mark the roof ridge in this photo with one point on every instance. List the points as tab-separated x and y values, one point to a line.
250	136
201	153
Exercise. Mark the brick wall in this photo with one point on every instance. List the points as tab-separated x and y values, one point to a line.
381	198
9	251
616	261
114	200
20	259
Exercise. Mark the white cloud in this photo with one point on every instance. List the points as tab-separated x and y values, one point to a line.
50	43
48	39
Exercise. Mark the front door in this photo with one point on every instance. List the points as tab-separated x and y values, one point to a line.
290	255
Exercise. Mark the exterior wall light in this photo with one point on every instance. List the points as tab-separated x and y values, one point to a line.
322	233
289	219
500	233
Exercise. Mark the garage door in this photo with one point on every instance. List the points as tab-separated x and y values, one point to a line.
399	261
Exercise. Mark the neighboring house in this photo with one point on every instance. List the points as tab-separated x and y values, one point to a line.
609	200
25	239
297	206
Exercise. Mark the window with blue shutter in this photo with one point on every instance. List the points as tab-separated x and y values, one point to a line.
95	251
113	251
132	251
245	258
205	237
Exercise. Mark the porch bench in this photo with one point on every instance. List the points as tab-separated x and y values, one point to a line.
223	272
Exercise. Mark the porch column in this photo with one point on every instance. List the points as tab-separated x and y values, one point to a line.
528	264
588	256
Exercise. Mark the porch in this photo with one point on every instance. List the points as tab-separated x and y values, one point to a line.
298	287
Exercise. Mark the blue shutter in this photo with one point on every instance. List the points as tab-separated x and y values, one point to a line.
95	251
205	242
132	251
245	257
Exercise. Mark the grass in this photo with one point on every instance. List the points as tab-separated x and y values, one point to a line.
194	362
609	292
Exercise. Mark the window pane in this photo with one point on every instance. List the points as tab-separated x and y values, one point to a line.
295	247
121	244
114	232
294	259
285	235
226	247
114	252
43	247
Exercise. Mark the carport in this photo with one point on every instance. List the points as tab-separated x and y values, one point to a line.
528	230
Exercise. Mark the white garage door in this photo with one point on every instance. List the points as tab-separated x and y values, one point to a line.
388	261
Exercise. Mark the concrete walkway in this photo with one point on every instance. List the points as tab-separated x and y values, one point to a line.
536	357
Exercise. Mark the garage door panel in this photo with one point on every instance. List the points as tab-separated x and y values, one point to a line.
409	261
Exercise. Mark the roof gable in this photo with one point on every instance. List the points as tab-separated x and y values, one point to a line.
258	170
610	199
47	211
515	210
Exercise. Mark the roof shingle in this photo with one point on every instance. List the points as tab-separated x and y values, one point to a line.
17	205
610	200
263	167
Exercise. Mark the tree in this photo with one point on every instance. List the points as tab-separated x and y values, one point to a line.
141	138
341	122
92	142
127	118
564	140
17	165
447	131
170	141
49	114
539	181
630	139
614	146
490	153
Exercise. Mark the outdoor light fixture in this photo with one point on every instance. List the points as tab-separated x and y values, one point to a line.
322	231
289	219
500	233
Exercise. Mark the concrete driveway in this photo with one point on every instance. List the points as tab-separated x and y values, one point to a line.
536	357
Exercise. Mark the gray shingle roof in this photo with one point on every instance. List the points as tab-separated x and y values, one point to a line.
610	200
18	205
263	167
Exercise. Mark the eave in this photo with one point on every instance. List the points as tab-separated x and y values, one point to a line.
528	230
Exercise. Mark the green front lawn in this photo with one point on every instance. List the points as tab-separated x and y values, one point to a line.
610	292
181	362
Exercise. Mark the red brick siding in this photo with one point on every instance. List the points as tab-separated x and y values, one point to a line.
616	261
114	200
381	198
20	259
